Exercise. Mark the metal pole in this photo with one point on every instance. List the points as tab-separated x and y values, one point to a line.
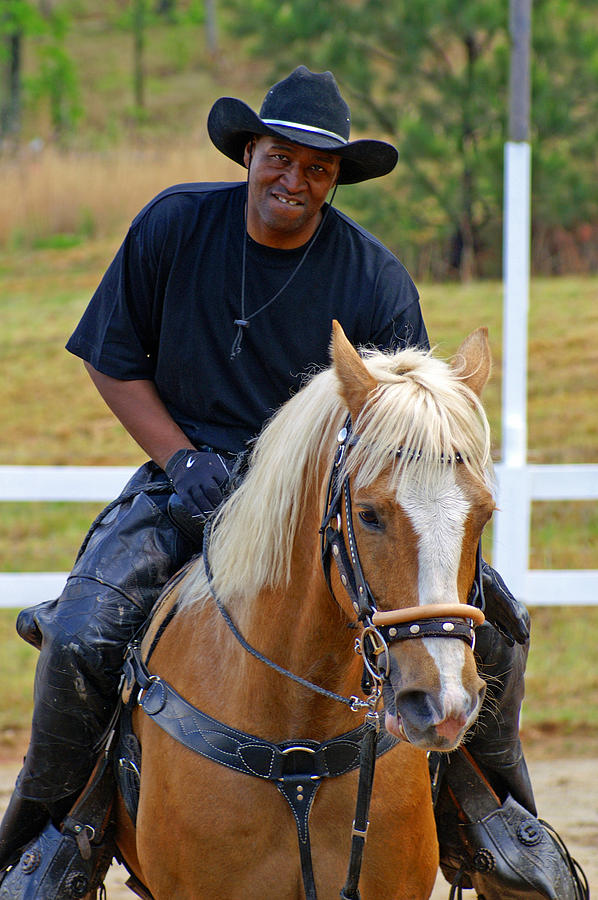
519	84
511	533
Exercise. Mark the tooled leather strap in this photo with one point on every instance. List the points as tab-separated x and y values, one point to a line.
296	767
237	749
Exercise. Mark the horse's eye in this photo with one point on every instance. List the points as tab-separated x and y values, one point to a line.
369	518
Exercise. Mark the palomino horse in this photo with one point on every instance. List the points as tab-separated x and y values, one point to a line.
409	497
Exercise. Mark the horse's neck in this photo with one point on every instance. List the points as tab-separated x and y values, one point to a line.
308	636
300	627
297	625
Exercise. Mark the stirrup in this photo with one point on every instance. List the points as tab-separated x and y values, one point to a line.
506	853
53	866
71	862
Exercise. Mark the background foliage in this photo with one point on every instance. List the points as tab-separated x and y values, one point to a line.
434	77
430	75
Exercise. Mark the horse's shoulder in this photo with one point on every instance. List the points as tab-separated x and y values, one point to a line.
164	611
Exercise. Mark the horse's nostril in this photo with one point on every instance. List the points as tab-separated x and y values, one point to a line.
415	706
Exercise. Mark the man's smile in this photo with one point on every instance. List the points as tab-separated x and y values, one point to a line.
289	201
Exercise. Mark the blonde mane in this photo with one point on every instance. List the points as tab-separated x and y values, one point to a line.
421	410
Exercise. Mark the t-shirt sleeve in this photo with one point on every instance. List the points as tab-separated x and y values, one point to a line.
398	321
405	329
117	334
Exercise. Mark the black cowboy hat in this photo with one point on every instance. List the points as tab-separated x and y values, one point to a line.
307	108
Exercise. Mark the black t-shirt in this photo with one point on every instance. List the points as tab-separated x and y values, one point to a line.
166	306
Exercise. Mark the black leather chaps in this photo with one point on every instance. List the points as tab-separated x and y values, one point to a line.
494	741
130	553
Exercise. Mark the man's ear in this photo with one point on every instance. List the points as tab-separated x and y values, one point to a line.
248	152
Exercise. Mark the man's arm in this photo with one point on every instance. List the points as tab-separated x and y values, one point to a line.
138	406
197	477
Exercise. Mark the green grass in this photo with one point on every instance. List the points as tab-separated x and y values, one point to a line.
17	664
562	671
564	535
562	358
51	414
43	537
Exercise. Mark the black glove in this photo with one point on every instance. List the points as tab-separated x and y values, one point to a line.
502	609
199	479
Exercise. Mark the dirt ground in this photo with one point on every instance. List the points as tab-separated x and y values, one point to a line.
564	774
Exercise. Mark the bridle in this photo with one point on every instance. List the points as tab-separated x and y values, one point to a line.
381	629
384	628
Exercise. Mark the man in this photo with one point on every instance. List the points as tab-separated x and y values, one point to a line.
217	304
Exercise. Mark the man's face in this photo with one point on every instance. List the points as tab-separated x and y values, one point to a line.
288	184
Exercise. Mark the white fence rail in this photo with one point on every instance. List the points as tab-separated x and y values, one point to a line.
518	487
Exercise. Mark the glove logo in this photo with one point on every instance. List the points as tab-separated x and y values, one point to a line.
30	860
190	461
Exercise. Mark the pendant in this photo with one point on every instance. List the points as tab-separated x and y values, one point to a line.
236	347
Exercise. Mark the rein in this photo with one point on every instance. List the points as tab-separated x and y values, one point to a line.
353	702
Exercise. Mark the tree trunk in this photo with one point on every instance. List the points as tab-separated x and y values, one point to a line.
467	266
10	113
166	8
138	53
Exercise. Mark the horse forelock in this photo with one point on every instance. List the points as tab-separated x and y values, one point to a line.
420	412
421	419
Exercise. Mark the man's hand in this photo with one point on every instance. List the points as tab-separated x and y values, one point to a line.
502	609
199	479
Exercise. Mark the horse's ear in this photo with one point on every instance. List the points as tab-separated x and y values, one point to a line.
355	380
473	360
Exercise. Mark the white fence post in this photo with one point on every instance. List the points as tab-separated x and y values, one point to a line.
510	552
511	530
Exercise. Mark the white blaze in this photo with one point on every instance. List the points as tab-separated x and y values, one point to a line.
439	522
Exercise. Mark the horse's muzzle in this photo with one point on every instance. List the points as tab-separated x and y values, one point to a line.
431	711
